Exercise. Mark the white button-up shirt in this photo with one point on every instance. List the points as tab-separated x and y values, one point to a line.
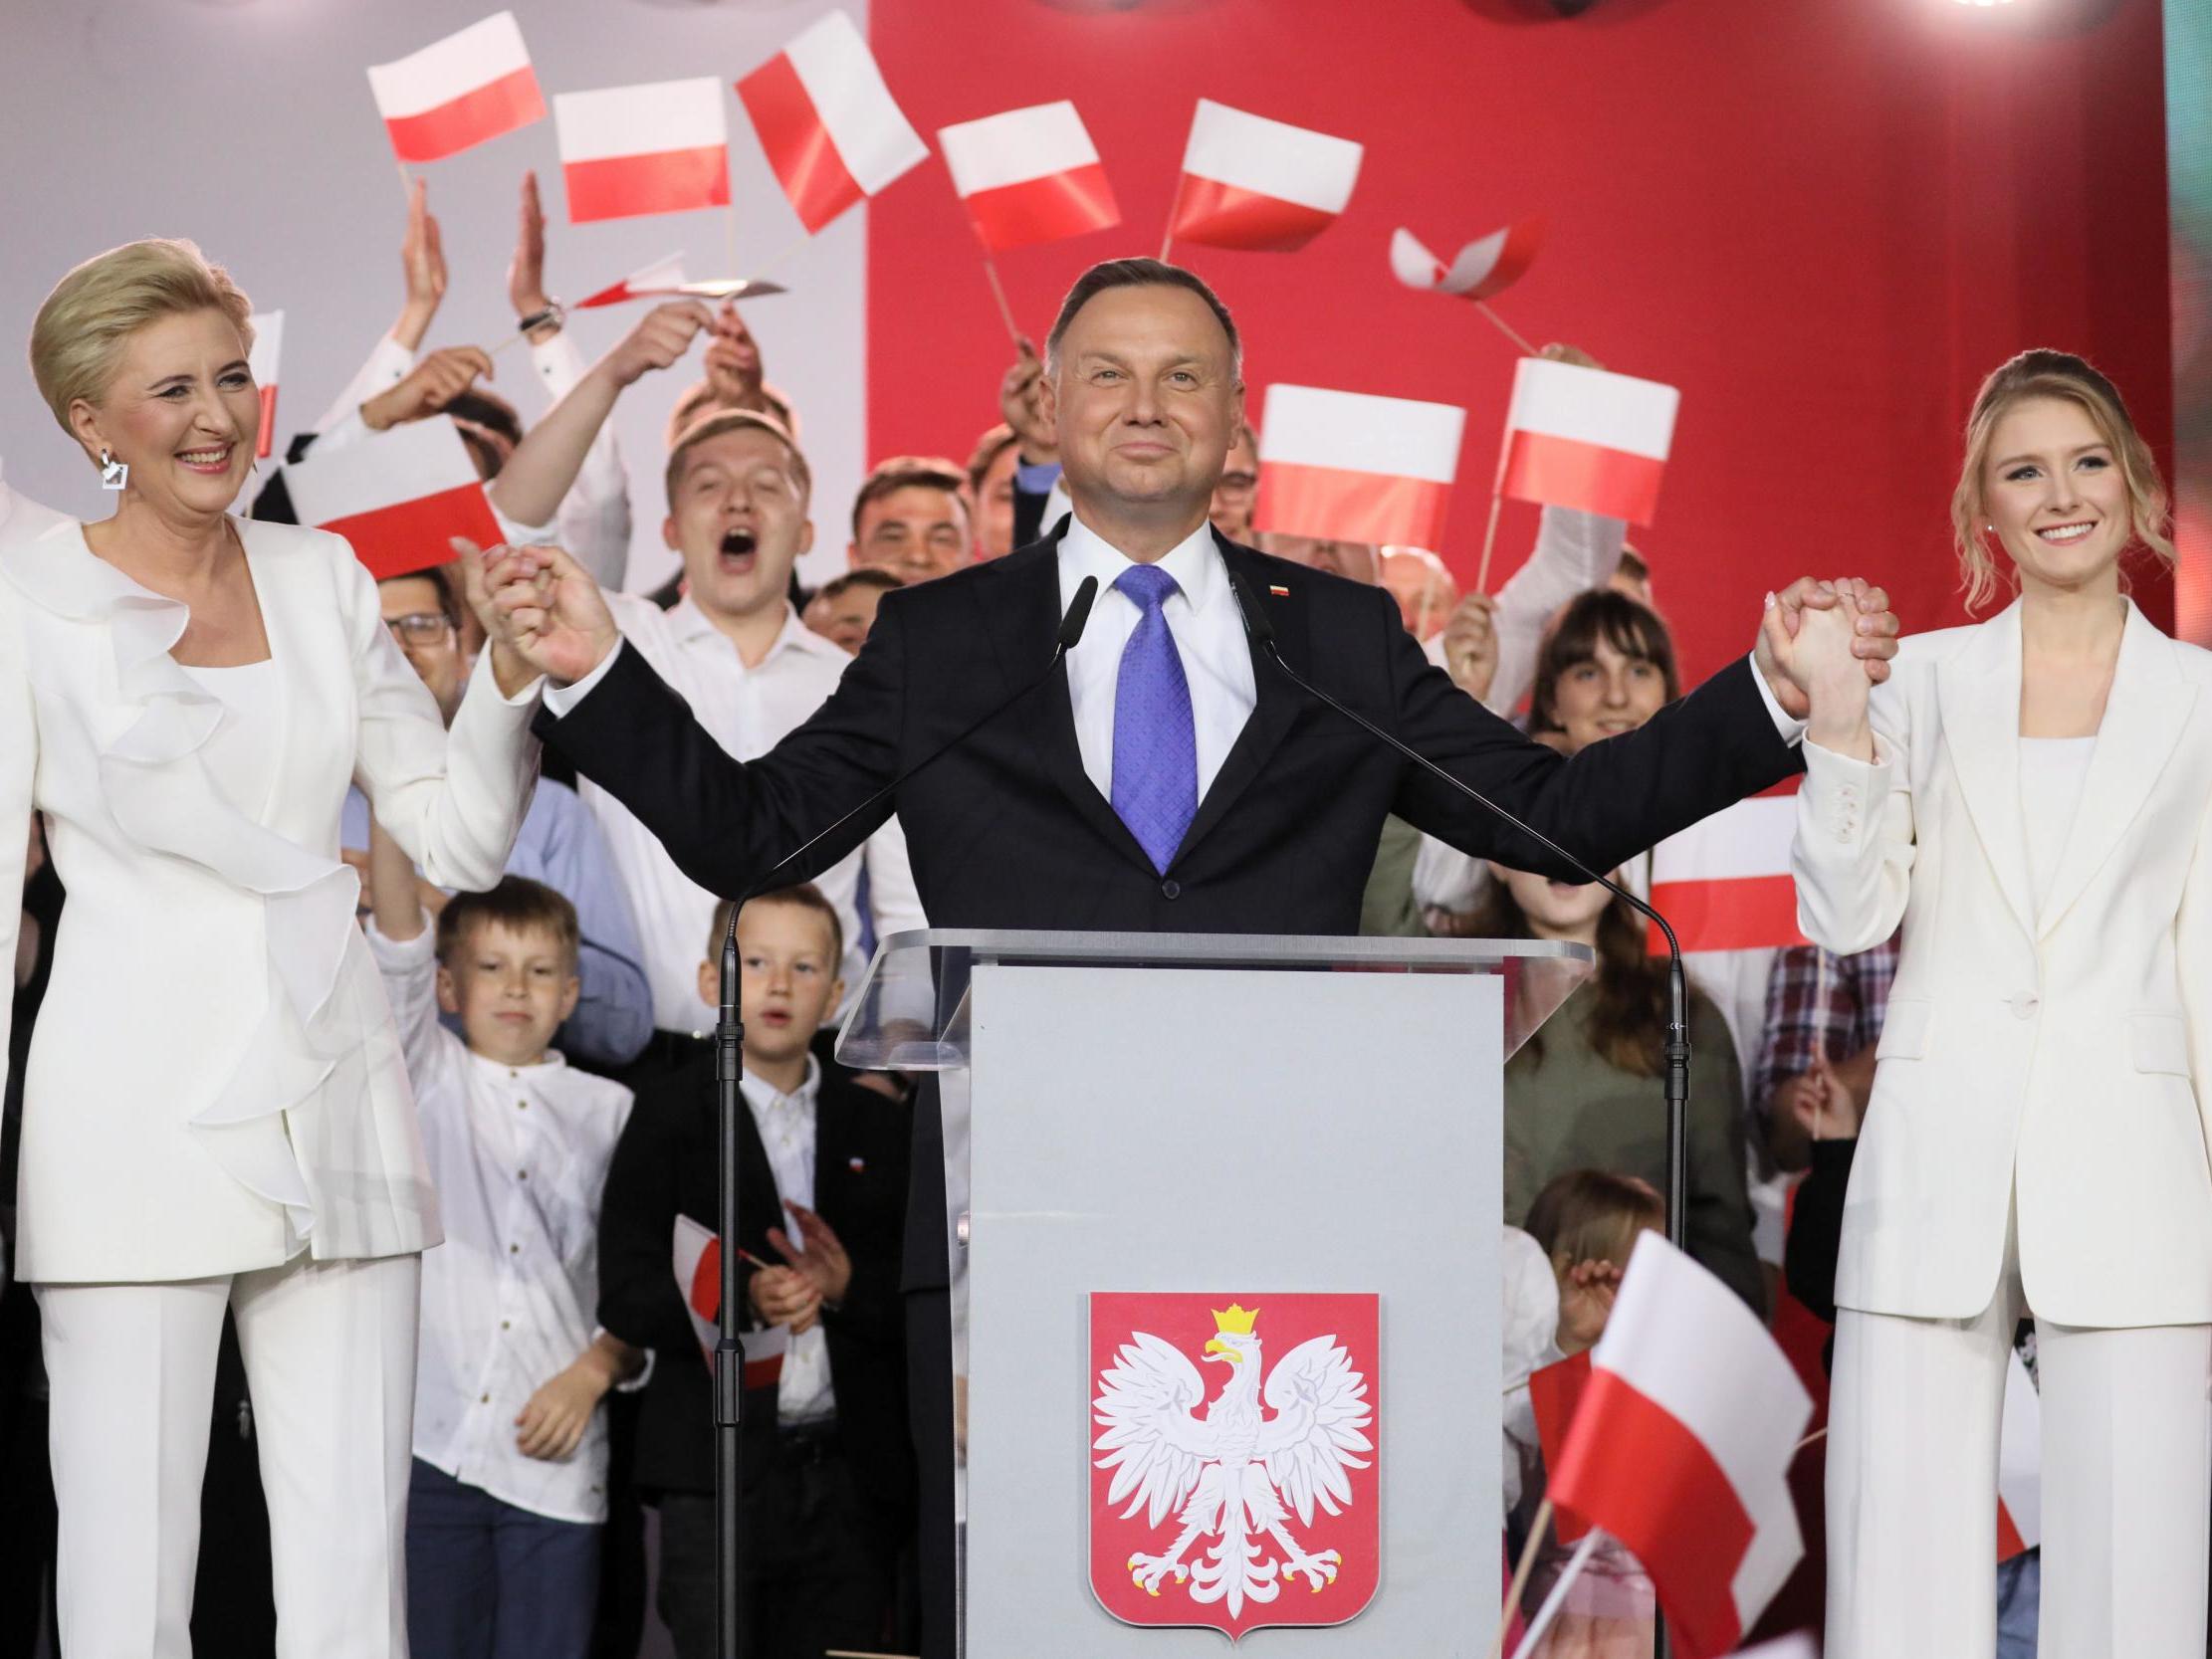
520	1159
747	711
1208	632
788	1130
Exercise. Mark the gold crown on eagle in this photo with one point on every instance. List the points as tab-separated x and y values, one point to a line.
1234	1321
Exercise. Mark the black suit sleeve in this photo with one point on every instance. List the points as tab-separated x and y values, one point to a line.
638	1298
727	822
1615	799
1817	1228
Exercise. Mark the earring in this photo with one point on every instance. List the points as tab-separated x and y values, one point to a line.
114	474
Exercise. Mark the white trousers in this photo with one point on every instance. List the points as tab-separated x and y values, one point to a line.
1913	1416
329	1351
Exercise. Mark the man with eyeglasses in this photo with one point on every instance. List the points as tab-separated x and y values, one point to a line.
560	843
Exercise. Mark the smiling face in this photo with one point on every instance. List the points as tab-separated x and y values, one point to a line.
2055	492
1146	400
1555	910
738	515
181	410
511	987
913	533
1607	693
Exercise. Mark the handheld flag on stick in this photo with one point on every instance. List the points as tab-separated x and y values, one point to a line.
657	149
1726	881
698	1263
262	362
1585	439
831	129
398	496
459	92
1481	270
1349	467
1030	175
1251	182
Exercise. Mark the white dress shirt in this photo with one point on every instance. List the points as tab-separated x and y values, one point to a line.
747	711
787	1125
520	1157
1208	632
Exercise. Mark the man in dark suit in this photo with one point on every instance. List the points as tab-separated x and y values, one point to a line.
822	1177
1169	778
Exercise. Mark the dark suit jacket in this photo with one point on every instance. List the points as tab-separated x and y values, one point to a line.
1007	831
665	1166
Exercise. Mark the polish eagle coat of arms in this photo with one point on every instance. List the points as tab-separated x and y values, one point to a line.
1208	1504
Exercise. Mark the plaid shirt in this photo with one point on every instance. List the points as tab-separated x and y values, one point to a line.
1820	1003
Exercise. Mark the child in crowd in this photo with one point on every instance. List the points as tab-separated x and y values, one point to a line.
822	1174
509	1491
1586	1223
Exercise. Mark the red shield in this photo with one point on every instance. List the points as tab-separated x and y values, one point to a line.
1234	1447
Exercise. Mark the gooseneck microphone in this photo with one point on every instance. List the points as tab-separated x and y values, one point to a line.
1262	633
728	1070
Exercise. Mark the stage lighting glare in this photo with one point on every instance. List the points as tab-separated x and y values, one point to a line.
1985	3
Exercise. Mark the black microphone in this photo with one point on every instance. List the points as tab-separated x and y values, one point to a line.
1262	633
728	1070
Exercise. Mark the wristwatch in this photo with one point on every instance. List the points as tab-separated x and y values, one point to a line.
555	315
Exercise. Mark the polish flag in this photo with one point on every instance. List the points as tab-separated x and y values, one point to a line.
831	129
1030	175
1725	883
399	497
2019	1464
459	92
1251	182
1347	466
261	364
1479	271
698	1262
1582	438
1554	1394
663	276
657	149
1682	1444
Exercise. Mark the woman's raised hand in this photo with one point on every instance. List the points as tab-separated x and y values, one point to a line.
540	605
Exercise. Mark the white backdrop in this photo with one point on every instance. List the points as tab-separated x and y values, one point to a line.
248	127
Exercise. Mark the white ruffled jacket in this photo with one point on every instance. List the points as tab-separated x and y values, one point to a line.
215	1076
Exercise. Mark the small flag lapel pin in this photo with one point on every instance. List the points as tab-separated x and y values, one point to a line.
1279	592
856	1165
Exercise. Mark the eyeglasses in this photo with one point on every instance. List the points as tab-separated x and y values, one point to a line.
420	628
1237	484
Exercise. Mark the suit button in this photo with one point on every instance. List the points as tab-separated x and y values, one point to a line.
2025	1004
1170	890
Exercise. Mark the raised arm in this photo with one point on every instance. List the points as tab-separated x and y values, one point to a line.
1853	851
405	945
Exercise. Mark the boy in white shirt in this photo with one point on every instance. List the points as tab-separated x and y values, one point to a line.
509	1491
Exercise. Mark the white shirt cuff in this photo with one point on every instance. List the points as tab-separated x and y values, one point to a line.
561	699
1791	729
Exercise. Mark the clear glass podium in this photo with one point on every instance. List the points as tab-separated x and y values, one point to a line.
1260	1121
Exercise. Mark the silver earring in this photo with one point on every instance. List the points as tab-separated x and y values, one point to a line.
114	474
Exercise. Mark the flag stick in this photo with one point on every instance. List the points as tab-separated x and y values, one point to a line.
998	292
1554	1602
1490	540
494	351
781	255
1167	237
406	180
1506	328
1521	1572
1817	1434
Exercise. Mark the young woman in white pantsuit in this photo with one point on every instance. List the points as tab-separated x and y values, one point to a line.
215	1113
2031	797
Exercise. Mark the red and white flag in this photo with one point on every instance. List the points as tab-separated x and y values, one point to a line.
1725	883
1582	438
399	497
1479	271
2019	1464
663	276
698	1261
832	132
1348	466
1251	182
458	92
262	359
663	147
1554	1396
1681	1446
1030	175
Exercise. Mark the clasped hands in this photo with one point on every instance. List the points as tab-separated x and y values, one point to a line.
540	605
1823	647
819	1272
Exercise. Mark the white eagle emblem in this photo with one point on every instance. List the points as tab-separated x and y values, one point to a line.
1231	1472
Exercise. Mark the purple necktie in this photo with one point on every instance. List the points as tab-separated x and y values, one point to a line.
1156	748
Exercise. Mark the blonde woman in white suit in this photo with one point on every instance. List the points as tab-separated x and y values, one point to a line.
215	1109
2031	797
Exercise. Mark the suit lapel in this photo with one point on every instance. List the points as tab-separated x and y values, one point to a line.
1978	693
1278	700
2144	715
1021	617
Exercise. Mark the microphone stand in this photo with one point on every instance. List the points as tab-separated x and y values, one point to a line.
1676	1049
729	1378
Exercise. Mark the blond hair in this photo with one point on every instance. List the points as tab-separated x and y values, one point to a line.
2055	374
81	329
722	422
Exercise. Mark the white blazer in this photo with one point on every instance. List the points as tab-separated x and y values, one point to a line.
2058	1056
215	1075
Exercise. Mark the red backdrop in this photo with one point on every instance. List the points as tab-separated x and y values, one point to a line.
1824	220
